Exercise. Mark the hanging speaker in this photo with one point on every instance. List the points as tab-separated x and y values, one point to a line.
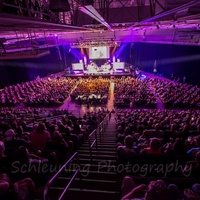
59	5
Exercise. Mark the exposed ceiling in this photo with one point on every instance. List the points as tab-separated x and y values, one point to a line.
158	21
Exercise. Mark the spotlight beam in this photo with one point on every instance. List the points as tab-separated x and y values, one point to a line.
92	12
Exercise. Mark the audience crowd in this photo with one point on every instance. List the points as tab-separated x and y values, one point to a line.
133	92
175	94
26	148
44	92
92	91
165	125
149	142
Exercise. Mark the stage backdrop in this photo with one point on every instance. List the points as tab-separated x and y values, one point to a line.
18	71
181	60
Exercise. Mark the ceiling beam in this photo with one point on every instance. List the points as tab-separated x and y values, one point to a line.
19	22
169	12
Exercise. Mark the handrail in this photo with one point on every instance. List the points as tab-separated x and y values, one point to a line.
47	186
94	142
68	185
46	118
92	133
102	126
52	117
100	129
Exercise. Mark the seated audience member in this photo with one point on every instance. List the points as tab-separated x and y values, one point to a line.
26	164
4	161
153	149
4	188
178	148
23	189
12	138
157	190
193	167
12	142
127	150
58	145
194	193
2	149
196	146
39	137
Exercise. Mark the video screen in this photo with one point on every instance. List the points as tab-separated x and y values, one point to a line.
99	52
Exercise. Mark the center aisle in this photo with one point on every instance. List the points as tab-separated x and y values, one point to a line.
110	104
99	178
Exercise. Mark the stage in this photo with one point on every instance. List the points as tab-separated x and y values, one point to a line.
92	69
96	75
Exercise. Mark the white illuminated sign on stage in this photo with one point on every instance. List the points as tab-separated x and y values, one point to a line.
118	65
77	66
99	52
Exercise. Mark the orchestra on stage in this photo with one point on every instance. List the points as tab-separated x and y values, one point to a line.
93	68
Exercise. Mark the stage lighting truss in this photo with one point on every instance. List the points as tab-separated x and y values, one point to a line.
87	44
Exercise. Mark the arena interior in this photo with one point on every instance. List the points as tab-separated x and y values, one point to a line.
99	99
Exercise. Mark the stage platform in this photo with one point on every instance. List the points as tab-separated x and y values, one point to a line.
97	75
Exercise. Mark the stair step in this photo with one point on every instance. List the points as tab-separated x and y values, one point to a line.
108	138
76	193
113	149
100	145
87	183
106	157
98	152
99	178
102	166
103	143
97	161
89	174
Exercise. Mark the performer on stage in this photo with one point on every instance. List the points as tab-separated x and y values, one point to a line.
107	66
92	67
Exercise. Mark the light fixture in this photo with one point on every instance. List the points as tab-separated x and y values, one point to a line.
95	43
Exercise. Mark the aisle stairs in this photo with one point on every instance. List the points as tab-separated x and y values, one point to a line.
97	178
